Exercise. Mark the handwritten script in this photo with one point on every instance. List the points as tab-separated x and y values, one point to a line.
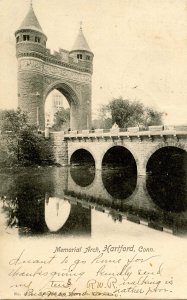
112	271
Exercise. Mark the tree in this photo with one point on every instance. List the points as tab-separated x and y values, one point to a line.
126	113
104	118
21	141
61	119
153	117
14	121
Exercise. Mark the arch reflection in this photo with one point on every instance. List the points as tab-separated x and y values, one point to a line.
57	212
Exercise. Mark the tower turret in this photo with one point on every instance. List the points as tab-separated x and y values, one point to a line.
81	50
30	36
30	52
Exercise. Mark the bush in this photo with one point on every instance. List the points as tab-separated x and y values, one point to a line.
20	142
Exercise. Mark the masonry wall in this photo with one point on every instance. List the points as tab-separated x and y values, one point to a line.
30	95
98	149
60	148
39	73
140	149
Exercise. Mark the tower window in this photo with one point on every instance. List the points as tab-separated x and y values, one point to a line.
17	39
37	39
26	37
79	56
87	57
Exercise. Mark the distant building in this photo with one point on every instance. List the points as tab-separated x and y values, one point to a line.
57	100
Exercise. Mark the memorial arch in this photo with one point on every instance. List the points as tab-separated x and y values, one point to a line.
39	72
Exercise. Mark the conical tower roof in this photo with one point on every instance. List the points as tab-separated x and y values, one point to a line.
81	43
31	21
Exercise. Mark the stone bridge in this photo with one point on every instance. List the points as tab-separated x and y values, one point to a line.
142	144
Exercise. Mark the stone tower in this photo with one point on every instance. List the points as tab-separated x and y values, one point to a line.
40	72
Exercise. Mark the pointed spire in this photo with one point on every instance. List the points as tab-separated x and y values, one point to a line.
31	21
81	42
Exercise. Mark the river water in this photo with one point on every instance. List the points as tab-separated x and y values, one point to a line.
68	201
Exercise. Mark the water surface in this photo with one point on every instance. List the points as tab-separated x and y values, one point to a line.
62	201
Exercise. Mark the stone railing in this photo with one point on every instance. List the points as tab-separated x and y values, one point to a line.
130	131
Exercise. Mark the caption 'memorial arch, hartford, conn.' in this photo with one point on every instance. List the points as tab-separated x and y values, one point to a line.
70	72
40	72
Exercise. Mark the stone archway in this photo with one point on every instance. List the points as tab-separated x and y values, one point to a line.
85	173
36	78
71	96
119	172
86	148
160	146
166	183
103	150
38	68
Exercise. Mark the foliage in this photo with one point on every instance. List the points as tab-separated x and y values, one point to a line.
61	119
102	123
126	113
104	120
153	117
14	121
20	140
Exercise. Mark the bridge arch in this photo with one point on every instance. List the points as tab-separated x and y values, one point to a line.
119	147
174	144
70	94
127	147
84	149
120	176
85	173
167	178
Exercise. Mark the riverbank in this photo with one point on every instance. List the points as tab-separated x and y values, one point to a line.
20	167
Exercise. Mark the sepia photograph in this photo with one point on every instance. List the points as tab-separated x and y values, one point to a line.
93	149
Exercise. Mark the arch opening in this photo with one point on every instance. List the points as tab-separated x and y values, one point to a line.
167	178
57	111
82	168
119	172
71	101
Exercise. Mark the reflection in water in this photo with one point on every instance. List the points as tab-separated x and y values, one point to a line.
57	212
48	201
167	183
67	218
118	182
30	203
119	173
83	175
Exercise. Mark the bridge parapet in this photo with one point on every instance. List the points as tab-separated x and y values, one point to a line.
129	132
133	129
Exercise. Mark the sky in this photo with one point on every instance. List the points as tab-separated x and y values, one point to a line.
139	46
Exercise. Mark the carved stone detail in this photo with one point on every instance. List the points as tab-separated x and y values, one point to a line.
47	69
30	64
67	74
